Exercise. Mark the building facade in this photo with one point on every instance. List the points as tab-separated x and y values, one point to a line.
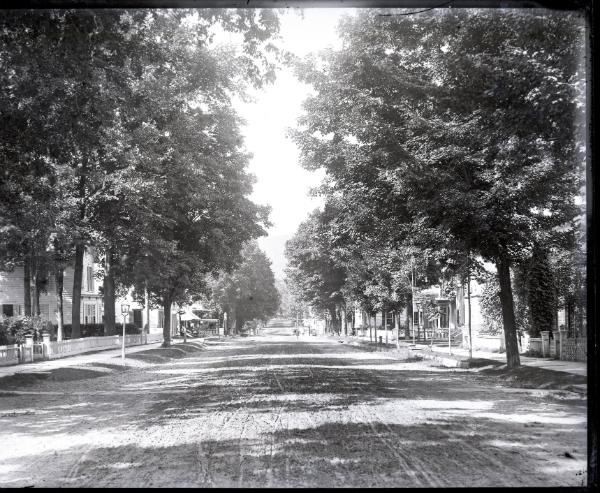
12	294
92	303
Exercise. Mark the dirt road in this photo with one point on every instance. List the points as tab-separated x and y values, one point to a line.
272	411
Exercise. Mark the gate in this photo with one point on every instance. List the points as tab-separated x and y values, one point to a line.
38	351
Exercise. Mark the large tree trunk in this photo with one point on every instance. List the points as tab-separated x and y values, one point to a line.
569	317
508	313
233	324
35	292
375	325
409	317
109	294
167	301
37	287
77	280
384	320
27	285
146	329
344	320
59	311
333	315
33	283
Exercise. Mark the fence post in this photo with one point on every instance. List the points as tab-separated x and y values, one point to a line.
562	336
46	344
545	343
29	346
525	346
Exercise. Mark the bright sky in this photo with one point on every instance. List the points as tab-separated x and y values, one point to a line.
281	182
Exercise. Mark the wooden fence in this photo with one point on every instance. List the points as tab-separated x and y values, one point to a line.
30	351
9	355
560	347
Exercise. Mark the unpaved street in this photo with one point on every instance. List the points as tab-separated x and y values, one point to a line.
273	411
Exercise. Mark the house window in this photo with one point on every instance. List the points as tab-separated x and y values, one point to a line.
89	314
161	318
90	279
137	318
7	310
444	317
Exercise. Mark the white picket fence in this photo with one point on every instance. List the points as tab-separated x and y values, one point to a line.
24	353
9	355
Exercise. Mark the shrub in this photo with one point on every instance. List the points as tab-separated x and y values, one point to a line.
94	330
130	329
5	337
249	325
14	329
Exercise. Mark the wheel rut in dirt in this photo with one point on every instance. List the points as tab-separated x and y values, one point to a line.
276	411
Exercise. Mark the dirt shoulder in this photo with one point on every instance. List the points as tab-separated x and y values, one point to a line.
526	377
98	369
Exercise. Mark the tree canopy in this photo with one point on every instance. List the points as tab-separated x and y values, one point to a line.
466	124
123	119
249	292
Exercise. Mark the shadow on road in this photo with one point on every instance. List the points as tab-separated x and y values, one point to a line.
290	414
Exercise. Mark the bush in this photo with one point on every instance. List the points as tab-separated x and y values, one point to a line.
130	329
5	337
249	325
94	330
491	307
14	329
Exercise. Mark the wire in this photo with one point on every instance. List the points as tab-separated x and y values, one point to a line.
419	11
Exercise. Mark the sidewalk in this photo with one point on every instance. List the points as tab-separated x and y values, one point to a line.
102	356
572	367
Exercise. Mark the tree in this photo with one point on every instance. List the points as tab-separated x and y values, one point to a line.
467	121
102	99
312	270
201	216
290	305
249	292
